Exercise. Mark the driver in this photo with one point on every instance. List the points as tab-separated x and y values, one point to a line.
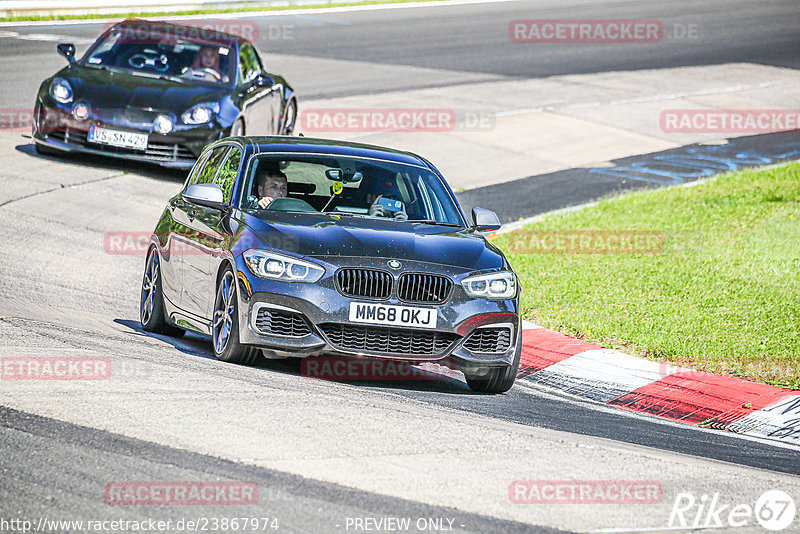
208	58
272	184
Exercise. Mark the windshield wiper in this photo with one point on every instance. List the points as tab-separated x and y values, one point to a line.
437	223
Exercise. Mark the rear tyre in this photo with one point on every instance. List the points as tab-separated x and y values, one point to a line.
151	304
289	118
237	129
498	379
225	325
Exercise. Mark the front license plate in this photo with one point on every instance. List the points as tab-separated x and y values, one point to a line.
361	312
117	138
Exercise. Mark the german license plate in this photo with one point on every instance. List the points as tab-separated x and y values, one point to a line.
118	138
362	312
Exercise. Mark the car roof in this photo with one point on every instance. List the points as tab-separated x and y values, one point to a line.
206	34
310	145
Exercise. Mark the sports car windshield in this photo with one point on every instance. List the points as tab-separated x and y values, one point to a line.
351	187
164	53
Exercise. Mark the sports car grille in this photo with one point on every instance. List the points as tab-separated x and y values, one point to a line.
489	340
395	341
157	151
364	283
428	288
282	323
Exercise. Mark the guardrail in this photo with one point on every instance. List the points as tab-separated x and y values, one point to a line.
22	8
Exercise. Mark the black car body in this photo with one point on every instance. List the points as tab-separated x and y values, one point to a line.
320	271
143	92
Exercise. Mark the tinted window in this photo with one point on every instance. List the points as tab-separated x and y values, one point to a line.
206	176
249	65
226	178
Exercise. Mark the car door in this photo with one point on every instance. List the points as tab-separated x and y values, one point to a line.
258	95
202	239
172	258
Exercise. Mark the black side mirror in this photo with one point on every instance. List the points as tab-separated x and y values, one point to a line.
262	80
485	220
67	50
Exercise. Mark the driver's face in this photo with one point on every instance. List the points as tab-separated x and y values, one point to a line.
208	57
273	186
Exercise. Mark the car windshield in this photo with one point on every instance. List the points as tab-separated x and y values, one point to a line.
164	51
351	187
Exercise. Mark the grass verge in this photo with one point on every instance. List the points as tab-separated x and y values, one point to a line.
254	10
722	295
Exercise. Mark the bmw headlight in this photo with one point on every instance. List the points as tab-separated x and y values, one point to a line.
200	114
502	285
61	90
275	266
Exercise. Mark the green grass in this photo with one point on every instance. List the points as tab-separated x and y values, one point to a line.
254	10
722	296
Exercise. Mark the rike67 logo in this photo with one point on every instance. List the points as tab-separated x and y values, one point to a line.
774	510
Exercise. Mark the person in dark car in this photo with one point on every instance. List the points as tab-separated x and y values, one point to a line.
207	58
272	184
385	188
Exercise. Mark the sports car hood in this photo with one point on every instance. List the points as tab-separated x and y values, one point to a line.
103	88
316	235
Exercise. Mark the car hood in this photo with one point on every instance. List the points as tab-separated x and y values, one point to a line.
317	235
110	89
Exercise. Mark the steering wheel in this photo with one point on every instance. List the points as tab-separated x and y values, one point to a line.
212	72
289	204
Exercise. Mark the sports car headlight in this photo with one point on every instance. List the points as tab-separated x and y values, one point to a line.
502	285
200	114
275	266
61	90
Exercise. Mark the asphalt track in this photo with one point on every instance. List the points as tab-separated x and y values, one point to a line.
53	466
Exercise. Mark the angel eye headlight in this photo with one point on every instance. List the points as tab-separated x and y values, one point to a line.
266	264
200	114
501	285
61	90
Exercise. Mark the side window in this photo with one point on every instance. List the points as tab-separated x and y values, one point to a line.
206	175
226	178
192	179
249	65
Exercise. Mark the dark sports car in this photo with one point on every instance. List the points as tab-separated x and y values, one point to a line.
287	246
159	92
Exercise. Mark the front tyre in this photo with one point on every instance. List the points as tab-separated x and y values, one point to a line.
498	379
289	118
225	326
151	304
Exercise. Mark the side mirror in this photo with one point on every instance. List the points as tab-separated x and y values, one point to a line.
208	195
485	220
262	80
67	50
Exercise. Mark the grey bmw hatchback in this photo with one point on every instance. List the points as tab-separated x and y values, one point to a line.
294	247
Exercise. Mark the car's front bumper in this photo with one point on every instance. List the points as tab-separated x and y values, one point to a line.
55	127
329	331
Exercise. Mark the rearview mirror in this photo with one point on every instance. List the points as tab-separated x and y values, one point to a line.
67	50
485	220
208	195
339	175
